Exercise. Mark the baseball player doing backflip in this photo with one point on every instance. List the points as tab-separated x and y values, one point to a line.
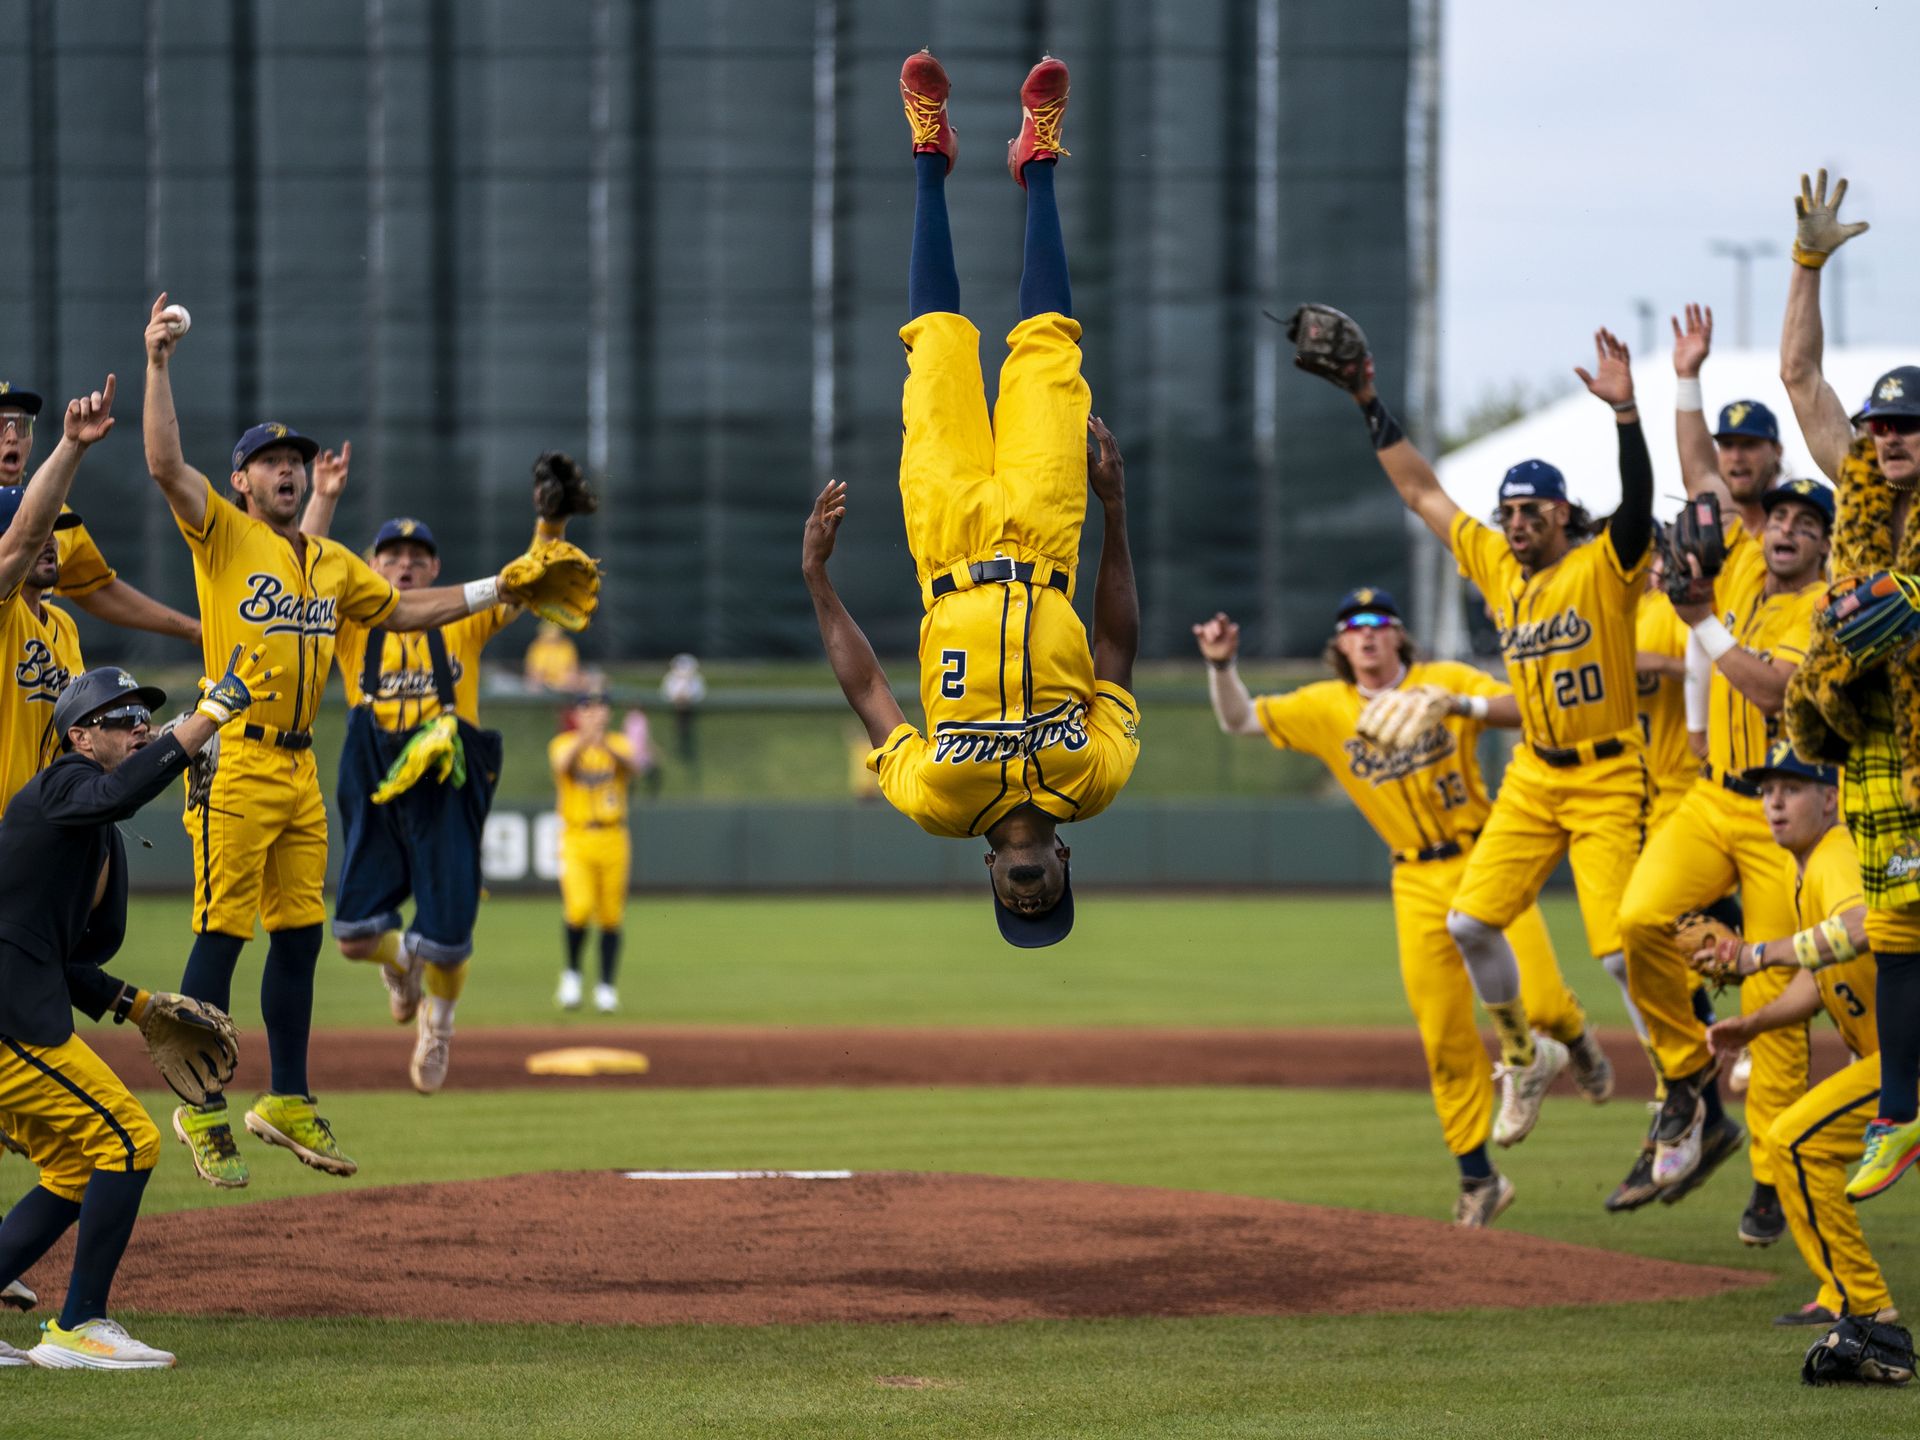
1427	801
1027	727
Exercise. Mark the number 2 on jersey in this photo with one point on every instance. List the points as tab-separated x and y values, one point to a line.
953	674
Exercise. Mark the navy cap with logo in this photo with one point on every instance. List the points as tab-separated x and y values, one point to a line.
1533	480
1748	417
1367	600
402	527
96	690
1050	927
1810	493
1895	393
12	397
11	497
1782	761
271	432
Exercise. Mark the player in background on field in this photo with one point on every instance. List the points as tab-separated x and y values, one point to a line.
1428	804
593	770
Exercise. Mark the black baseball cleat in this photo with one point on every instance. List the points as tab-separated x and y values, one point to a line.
1764	1221
1717	1141
1638	1188
1811	1313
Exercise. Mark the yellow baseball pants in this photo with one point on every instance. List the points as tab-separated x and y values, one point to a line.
72	1114
1814	1140
595	864
260	841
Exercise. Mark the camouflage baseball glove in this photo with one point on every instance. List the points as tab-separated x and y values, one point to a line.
1700	533
560	488
1873	617
557	581
1860	1351
191	1043
1330	344
1394	720
201	766
1711	946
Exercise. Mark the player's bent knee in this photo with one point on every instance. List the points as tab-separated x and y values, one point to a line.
1469	933
144	1136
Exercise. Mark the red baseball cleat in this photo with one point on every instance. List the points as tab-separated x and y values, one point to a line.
1043	106
923	91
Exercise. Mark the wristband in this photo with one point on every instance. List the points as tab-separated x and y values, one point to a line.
1812	259
1759	954
1624	406
128	1005
481	594
1474	707
1806	952
1841	943
1714	637
1687	394
1381	425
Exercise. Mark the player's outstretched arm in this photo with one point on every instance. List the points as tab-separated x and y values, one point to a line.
1116	599
88	419
1218	640
329	484
854	664
186	489
1699	461
119	603
1795	1005
1631	528
1817	234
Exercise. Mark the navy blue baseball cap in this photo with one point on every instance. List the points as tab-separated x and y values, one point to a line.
1748	417
12	397
1367	600
271	432
402	527
96	690
1533	480
1810	493
1032	932
10	498
1895	393
1782	761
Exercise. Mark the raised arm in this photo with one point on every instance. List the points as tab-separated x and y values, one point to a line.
1631	528
1819	411
119	603
329	484
1219	643
87	420
186	489
861	679
1699	460
1116	600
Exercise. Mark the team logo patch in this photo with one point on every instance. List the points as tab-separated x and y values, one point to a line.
1890	388
1569	630
1737	414
39	674
1377	768
988	742
1904	862
414	684
279	612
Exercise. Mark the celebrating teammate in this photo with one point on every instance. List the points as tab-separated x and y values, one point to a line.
260	836
1026	729
1427	802
593	770
1565	610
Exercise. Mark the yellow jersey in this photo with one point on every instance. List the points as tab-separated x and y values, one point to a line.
1414	802
552	661
1662	699
1774	627
405	694
256	589
593	794
83	569
1566	633
1828	887
1014	714
42	652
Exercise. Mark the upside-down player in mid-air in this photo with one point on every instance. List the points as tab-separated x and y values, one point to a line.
415	709
259	828
1425	799
1026	729
1565	610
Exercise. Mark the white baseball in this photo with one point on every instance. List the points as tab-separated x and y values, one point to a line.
178	320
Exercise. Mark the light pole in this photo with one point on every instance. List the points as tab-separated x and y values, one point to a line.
1743	256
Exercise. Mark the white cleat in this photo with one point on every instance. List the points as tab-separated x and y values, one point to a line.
404	986
1741	1075
1592	1071
567	997
19	1297
95	1345
10	1356
1480	1205
1524	1087
605	998
428	1068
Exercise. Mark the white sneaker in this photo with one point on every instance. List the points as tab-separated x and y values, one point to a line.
568	995
404	986
95	1345
428	1068
11	1356
1480	1205
1741	1075
605	998
19	1297
1522	1090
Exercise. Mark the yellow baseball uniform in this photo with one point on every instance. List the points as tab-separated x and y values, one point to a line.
1718	838
1822	1133
83	569
1014	715
260	841
595	850
1429	807
407	698
1578	786
552	659
1662	709
72	1113
41	651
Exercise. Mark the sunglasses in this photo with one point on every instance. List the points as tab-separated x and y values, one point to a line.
19	423
1367	620
126	717
1894	425
1523	510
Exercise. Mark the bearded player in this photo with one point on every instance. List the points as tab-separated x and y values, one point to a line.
260	837
1578	786
1026	728
1428	804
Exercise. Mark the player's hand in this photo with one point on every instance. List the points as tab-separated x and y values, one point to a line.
330	471
1819	232
1612	378
1696	602
1692	345
91	416
1218	639
242	686
160	333
1727	958
823	526
1726	1037
1107	471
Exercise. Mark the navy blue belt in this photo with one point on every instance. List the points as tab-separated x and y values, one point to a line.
1562	759
998	572
1731	782
282	739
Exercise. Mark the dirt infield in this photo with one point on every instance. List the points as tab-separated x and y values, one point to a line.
690	1057
599	1248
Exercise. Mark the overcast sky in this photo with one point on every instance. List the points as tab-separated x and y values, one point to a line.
1592	153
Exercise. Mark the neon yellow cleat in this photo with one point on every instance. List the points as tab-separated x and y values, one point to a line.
1891	1149
95	1345
291	1121
204	1130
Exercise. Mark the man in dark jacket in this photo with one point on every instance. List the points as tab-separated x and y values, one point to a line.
93	1142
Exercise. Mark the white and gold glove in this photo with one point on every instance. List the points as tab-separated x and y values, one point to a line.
1819	232
1394	720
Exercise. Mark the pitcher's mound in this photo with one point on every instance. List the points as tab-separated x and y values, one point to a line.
602	1248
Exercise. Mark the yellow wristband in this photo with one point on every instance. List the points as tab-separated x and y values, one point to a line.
1838	940
1812	259
1806	952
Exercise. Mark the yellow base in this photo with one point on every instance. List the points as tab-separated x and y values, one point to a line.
587	1060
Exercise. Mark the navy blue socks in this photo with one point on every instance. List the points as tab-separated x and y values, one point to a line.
106	1224
932	282
1474	1165
1897	993
286	1004
609	955
576	937
1044	285
40	1218
209	974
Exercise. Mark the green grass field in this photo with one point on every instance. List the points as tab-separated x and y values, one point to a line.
1698	1368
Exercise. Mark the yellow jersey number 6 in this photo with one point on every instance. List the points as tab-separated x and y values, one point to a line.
953	674
1583	686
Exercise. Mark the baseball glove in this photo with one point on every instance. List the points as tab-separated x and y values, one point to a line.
1874	617
1860	1351
1330	344
557	581
434	746
1700	533
191	1043
1711	947
201	766
1394	720
560	488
